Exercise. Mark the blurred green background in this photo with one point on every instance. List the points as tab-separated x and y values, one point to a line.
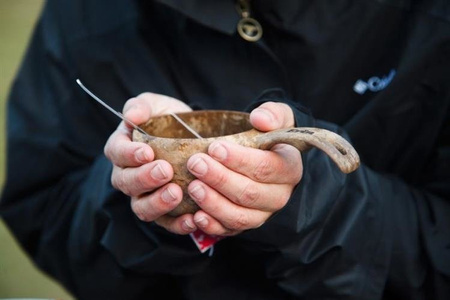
18	276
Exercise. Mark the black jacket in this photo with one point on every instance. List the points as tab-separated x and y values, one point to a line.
376	71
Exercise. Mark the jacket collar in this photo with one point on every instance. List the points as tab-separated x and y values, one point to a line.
220	15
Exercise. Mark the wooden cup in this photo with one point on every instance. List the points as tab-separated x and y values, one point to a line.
174	143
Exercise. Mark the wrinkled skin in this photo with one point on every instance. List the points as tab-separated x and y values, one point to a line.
237	188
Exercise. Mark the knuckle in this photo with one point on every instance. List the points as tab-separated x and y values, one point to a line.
123	183
119	153
240	222
219	180
127	153
249	195
262	171
141	180
120	182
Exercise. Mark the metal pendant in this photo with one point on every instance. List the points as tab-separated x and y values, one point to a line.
249	29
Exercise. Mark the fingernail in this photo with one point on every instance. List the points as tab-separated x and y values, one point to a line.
218	152
188	225
199	167
202	222
168	196
158	173
141	156
197	192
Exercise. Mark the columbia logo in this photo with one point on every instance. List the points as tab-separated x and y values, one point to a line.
373	84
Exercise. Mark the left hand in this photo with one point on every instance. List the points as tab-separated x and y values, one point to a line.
239	188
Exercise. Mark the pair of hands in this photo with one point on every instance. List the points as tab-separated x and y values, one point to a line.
237	188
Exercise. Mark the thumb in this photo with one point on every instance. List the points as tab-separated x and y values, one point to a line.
136	110
271	116
146	105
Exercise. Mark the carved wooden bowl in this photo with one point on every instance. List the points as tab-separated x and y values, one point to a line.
174	143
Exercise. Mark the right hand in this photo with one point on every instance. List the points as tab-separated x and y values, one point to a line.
138	175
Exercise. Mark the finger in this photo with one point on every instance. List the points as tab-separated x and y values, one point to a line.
237	187
146	178
137	111
283	164
181	225
146	105
150	207
231	216
271	116
122	152
211	226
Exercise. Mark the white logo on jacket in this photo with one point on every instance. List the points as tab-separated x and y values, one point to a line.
373	84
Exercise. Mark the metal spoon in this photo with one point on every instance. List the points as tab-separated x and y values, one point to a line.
112	110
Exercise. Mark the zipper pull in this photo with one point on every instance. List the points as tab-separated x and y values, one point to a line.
248	28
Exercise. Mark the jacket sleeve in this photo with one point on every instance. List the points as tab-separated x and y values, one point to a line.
361	233
58	199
